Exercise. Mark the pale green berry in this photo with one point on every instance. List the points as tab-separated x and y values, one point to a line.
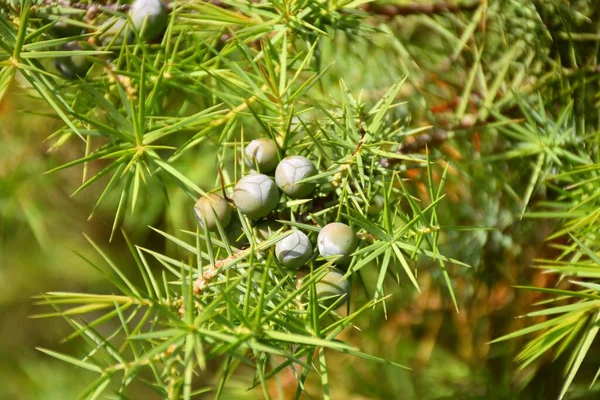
114	31
149	18
206	208
292	170
332	287
376	205
294	250
256	195
337	239
267	228
72	67
261	154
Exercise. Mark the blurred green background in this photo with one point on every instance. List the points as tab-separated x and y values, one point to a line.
41	237
42	245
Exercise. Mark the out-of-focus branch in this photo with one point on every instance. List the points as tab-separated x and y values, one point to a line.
394	10
86	6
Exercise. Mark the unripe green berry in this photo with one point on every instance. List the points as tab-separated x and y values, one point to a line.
292	170
72	67
265	229
149	17
337	239
62	28
294	250
261	154
332	287
206	208
256	195
376	205
115	30
235	233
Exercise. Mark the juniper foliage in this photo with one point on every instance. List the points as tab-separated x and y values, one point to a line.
395	117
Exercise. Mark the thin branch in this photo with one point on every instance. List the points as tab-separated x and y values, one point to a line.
394	10
85	6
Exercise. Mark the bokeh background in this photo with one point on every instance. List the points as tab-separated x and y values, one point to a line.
42	244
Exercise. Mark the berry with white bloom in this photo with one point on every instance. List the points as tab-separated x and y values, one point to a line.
292	170
207	207
114	31
337	239
332	287
256	195
294	250
261	154
149	18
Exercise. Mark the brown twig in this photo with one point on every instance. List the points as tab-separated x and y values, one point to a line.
415	145
86	6
211	271
222	182
219	3
394	10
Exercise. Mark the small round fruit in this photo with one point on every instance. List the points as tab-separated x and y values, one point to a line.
261	154
204	211
266	228
292	170
62	28
149	17
294	250
332	287
114	31
376	205
337	239
256	195
72	67
235	233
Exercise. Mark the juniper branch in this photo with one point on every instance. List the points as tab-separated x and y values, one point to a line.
396	10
